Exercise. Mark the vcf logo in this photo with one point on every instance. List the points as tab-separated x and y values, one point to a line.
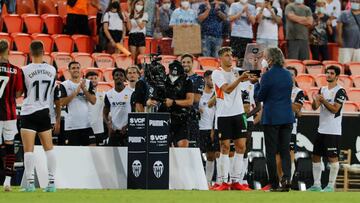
158	168
136	168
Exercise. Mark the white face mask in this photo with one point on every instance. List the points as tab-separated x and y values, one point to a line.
299	1
264	64
355	6
139	8
166	6
320	10
243	1
185	4
173	78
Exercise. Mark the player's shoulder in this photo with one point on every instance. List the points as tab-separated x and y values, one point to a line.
128	90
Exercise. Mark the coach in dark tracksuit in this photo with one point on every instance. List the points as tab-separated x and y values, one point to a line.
274	91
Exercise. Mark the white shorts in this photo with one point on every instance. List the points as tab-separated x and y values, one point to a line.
348	55
8	130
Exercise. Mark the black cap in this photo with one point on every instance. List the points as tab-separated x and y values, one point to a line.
176	68
207	73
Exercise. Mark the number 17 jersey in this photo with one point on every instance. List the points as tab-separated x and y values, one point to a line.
39	85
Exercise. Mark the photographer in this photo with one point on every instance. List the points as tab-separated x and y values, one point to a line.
178	99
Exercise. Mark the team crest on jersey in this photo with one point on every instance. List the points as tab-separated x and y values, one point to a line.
126	96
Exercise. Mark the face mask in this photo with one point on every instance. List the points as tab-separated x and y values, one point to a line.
264	63
173	78
355	6
139	8
166	6
243	1
185	4
299	1
320	10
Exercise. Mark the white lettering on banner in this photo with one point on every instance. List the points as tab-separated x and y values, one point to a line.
158	168
157	123
136	139
158	137
136	168
139	121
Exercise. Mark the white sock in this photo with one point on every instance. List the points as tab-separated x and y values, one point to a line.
317	174
238	167
29	162
224	167
231	169
245	170
334	169
7	181
218	171
51	164
209	170
292	170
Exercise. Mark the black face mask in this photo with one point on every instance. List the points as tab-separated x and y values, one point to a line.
115	5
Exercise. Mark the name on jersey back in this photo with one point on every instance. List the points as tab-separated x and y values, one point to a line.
41	72
8	70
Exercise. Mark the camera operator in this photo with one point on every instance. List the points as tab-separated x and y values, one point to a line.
178	99
187	61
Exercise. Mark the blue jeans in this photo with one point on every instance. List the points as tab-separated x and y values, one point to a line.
211	45
10	5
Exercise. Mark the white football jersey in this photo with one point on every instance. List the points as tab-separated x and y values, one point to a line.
297	96
77	116
330	123
39	80
208	114
96	113
119	105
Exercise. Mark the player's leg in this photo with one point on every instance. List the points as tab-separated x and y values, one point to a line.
316	159
182	136
46	141
332	146
292	154
205	147
28	140
9	130
284	142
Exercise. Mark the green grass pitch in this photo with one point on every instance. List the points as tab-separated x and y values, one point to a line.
175	196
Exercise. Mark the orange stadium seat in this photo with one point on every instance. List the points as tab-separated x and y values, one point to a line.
208	62
200	72
333	63
350	107
313	67
305	81
64	43
48	59
107	74
143	58
18	58
7	37
25	6
354	95
46	7
321	80
22	42
61	59
46	39
354	68
166	60
83	43
312	91
345	81
124	7
61	6
92	69
356	80
65	72
296	64
104	60
84	59
104	87
33	23
122	61
53	23
93	25
13	23
165	46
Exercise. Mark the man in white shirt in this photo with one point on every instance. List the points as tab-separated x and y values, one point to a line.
333	9
95	111
116	110
231	116
330	100
77	94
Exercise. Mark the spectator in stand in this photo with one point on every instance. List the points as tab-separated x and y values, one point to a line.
183	15
242	17
348	32
320	31
333	9
136	24
150	8
10	6
298	20
114	26
163	16
269	18
77	17
195	4
212	16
